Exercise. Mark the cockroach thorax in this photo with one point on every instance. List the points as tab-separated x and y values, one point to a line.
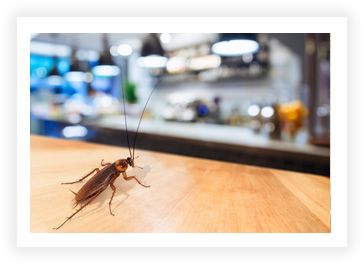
121	165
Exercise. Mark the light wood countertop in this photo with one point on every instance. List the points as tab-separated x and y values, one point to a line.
186	194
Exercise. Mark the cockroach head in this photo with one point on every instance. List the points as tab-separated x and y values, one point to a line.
130	161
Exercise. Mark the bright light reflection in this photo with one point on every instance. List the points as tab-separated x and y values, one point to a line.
253	110
114	51
152	61
103	101
165	38
74	131
75	76
125	50
267	111
106	70
48	49
235	47
205	62
247	58
176	64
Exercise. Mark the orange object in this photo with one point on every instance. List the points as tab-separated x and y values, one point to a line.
292	116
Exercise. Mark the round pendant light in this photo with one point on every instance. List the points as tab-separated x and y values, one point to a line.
152	53
235	44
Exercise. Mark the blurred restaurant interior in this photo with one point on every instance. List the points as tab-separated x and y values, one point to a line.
251	98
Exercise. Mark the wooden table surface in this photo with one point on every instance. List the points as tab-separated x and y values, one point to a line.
186	194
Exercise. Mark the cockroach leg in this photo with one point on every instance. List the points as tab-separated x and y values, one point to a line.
112	186
104	164
80	180
128	178
73	192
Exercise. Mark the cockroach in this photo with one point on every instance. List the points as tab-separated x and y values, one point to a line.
107	175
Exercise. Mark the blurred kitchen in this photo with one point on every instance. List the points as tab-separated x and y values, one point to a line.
260	99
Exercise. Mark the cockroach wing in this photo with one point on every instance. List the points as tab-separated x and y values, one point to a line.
97	184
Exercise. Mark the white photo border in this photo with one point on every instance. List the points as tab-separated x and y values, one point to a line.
336	26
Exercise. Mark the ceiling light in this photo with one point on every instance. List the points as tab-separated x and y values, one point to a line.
152	53
165	38
235	47
152	61
105	70
124	50
236	44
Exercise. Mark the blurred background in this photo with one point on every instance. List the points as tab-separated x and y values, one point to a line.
259	99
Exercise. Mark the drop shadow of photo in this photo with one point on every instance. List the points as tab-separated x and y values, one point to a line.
121	194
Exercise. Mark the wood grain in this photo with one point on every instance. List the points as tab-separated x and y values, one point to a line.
186	194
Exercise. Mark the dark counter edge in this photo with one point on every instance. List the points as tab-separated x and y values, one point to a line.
270	158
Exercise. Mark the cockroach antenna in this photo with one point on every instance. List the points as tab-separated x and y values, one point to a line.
132	153
126	123
140	120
